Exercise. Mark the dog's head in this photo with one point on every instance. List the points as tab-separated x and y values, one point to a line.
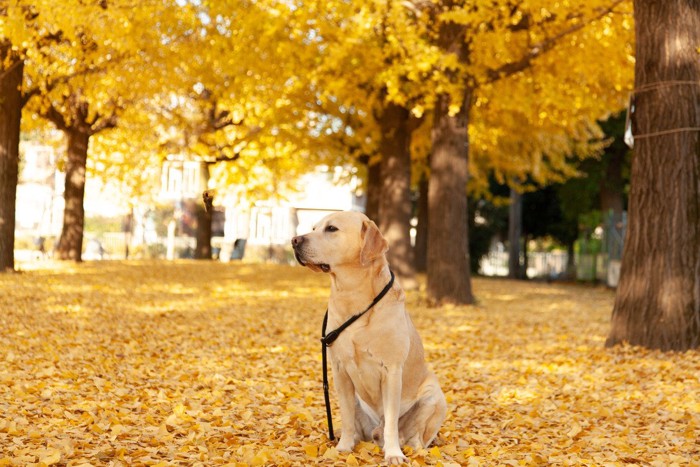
341	238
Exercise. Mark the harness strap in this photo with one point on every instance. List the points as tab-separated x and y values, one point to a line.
328	339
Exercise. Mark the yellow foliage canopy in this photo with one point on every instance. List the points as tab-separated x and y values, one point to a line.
301	82
542	74
140	363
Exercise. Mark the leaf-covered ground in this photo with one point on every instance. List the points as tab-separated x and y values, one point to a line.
186	364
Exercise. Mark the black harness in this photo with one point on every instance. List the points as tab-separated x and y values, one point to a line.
328	339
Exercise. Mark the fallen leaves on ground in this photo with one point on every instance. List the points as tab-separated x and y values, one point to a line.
201	363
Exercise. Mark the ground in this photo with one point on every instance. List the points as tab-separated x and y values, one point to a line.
202	363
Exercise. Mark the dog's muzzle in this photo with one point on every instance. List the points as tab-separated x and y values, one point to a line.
298	244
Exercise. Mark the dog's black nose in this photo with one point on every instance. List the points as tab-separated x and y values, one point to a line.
298	240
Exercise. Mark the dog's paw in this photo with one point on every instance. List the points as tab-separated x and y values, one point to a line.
395	459
344	445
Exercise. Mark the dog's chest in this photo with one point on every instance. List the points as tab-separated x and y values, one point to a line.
364	367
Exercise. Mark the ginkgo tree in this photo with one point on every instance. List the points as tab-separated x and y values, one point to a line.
534	42
251	76
88	73
26	29
120	51
11	71
527	75
369	37
657	304
244	113
17	30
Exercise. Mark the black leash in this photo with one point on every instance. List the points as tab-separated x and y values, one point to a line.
328	339
326	396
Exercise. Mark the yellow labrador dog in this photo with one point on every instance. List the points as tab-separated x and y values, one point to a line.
385	390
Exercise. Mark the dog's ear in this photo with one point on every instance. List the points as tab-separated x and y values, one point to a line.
374	244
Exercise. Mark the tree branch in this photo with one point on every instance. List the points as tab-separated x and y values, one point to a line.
511	68
55	117
224	158
102	124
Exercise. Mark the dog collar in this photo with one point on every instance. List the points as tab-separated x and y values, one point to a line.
328	339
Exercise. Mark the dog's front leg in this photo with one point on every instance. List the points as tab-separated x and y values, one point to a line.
391	398
346	400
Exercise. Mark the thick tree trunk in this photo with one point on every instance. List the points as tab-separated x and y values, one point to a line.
395	200
515	233
658	298
374	190
421	247
70	244
10	116
449	277
449	272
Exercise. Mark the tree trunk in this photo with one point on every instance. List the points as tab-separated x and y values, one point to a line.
70	244
449	277
374	190
612	186
203	248
526	260
10	116
570	273
515	233
421	247
204	219
657	304
395	200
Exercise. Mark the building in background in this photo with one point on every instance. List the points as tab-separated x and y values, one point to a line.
266	226
39	206
269	225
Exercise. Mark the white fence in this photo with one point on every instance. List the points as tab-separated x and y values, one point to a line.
550	265
553	265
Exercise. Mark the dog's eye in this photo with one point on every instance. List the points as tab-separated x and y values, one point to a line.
331	228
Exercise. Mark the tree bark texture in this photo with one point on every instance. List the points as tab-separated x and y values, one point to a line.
449	272
70	244
10	117
449	277
374	190
395	201
658	298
